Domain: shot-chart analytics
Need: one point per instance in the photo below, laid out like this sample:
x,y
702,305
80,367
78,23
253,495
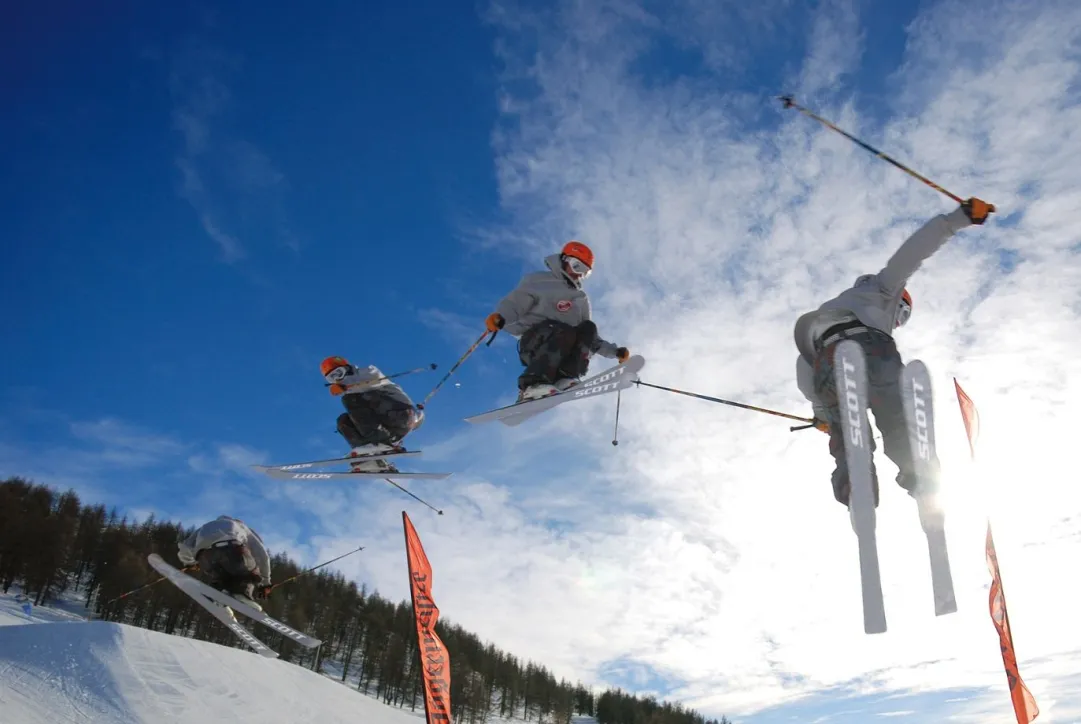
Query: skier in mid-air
x,y
549,312
378,413
868,313
231,556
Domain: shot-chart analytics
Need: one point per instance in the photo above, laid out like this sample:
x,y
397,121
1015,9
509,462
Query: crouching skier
x,y
549,312
232,557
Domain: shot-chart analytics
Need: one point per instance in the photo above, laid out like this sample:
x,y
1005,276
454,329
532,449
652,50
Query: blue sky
x,y
199,203
344,168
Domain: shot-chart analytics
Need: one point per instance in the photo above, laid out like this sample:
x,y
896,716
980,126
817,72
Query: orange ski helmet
x,y
578,250
332,363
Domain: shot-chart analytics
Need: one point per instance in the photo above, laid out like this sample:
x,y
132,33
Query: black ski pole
x,y
789,102
458,364
315,568
615,433
729,402
156,581
413,496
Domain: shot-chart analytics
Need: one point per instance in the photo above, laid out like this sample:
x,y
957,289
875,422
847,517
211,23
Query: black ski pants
x,y
377,417
229,566
884,367
552,350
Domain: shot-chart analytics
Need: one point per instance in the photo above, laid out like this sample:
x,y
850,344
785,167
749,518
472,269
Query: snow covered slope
x,y
107,673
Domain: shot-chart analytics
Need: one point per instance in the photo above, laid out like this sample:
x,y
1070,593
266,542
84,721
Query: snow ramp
x,y
108,673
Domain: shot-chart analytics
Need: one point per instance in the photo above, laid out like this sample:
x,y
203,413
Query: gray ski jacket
x,y
366,379
223,528
874,299
548,295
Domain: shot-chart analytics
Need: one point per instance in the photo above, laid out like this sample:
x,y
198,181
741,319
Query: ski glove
x,y
622,354
821,425
977,210
495,322
263,592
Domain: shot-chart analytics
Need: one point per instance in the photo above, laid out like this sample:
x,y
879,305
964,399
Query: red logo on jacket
x,y
563,305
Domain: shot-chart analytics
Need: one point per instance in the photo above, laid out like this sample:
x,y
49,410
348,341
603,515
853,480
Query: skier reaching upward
x,y
378,412
231,556
868,313
550,314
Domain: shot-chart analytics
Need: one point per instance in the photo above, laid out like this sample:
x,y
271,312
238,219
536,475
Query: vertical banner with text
x,y
434,660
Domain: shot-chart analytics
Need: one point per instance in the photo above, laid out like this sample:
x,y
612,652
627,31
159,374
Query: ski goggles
x,y
578,267
337,374
904,311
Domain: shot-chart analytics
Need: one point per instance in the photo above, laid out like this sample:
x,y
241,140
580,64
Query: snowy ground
x,y
107,673
63,611
56,667
64,669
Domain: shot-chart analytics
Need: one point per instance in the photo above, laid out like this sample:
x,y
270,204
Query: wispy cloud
x,y
112,433
460,329
220,172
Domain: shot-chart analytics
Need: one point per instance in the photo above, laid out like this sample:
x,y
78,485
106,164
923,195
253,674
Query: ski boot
x,y
565,383
247,600
373,466
536,392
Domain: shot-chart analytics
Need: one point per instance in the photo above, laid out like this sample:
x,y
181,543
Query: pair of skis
x,y
302,471
850,374
219,604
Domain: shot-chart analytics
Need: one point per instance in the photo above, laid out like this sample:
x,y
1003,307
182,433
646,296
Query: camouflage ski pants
x,y
230,566
552,350
377,418
884,367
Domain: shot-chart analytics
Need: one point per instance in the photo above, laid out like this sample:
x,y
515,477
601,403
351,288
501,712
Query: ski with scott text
x,y
611,380
220,604
850,376
920,419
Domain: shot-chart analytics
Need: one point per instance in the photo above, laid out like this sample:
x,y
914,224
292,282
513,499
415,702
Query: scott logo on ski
x,y
599,385
919,413
852,403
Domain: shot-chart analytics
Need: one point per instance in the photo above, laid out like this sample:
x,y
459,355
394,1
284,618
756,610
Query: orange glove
x,y
977,210
822,425
494,322
623,354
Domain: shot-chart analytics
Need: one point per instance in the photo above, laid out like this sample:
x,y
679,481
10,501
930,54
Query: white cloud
x,y
708,547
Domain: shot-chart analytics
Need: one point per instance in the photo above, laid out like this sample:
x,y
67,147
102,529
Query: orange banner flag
x,y
434,660
1024,704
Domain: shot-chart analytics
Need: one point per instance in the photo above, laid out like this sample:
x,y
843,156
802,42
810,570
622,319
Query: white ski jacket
x,y
874,299
223,528
545,295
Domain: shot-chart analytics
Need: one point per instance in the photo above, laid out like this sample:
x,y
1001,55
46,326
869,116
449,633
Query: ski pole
x,y
422,501
615,432
157,580
315,568
457,365
789,102
729,402
432,366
